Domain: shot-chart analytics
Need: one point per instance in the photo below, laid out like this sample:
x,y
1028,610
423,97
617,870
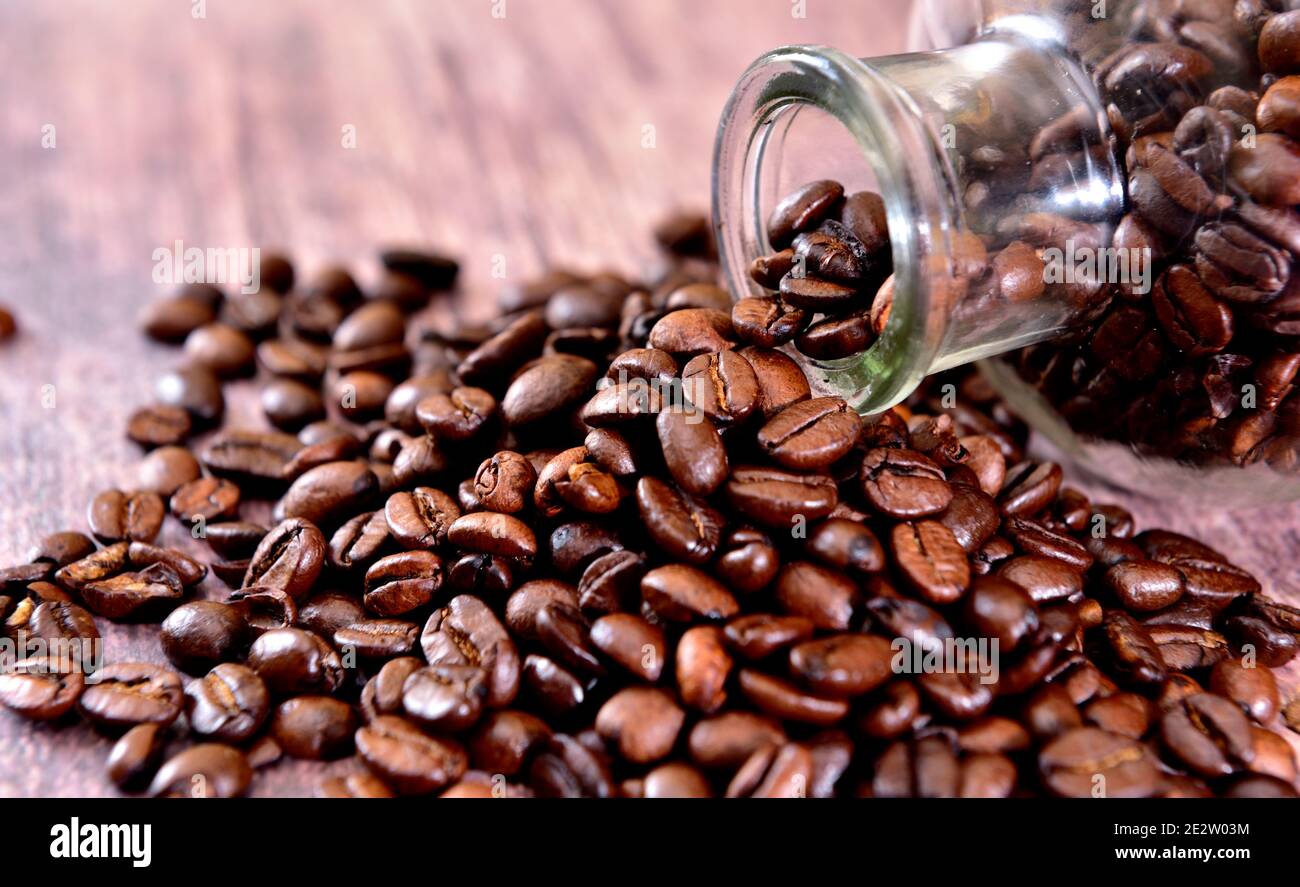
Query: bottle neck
x,y
1000,140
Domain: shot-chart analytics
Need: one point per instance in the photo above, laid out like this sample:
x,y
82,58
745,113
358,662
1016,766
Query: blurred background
x,y
538,131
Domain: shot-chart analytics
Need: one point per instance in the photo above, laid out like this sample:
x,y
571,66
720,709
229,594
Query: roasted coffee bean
x,y
816,593
811,434
408,759
1135,654
1208,734
166,469
158,426
749,560
256,457
612,582
632,642
1087,760
502,535
505,482
173,318
782,699
1029,488
502,353
774,498
289,557
641,722
327,613
773,772
314,727
691,331
291,660
1253,688
904,484
416,520
1145,585
447,698
400,583
545,387
93,567
802,210
201,634
842,665
264,609
1034,538
234,539
929,557
229,704
1000,609
693,450
221,348
377,638
780,381
61,549
813,294
759,635
836,337
328,494
205,499
361,540
466,632
135,756
680,593
767,321
481,572
56,620
128,693
681,525
125,593
564,633
207,770
41,688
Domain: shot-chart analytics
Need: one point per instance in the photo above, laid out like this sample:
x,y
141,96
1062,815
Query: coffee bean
x,y
158,425
289,557
253,457
930,558
547,386
314,727
234,538
904,484
62,549
505,482
811,434
1085,760
842,665
1208,734
466,632
330,493
409,760
642,722
693,450
41,688
361,540
128,693
486,532
1029,488
680,593
201,634
693,331
167,469
1252,688
802,210
775,498
683,526
418,519
125,593
207,770
632,642
173,318
447,698
817,593
291,660
196,390
229,704
206,499
1145,585
377,638
135,756
767,321
1135,654
400,583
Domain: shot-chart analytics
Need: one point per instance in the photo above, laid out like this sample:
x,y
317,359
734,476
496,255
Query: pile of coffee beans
x,y
611,544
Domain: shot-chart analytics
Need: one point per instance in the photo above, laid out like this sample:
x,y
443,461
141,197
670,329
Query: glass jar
x,y
1062,207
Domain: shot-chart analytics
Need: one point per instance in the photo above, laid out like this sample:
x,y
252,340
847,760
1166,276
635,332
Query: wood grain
x,y
518,139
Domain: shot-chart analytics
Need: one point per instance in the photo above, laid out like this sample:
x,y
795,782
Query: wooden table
x,y
521,137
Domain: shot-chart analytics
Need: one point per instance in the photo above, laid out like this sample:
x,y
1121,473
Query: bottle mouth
x,y
911,175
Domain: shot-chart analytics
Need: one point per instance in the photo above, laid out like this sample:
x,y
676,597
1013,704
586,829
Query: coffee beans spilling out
x,y
612,544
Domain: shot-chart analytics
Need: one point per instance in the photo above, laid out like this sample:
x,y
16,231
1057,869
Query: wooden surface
x,y
521,137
